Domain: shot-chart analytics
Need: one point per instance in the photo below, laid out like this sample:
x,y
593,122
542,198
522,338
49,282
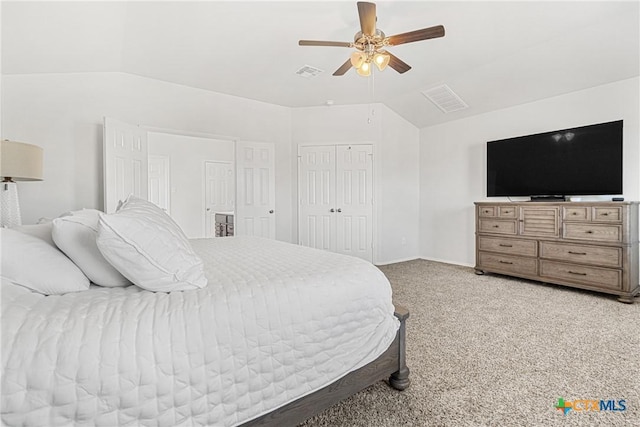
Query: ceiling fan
x,y
370,42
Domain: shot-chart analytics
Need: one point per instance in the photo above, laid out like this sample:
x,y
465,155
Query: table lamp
x,y
18,162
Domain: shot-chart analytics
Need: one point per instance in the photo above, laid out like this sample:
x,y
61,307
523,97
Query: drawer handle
x,y
577,253
605,214
505,246
496,226
589,232
577,274
574,213
505,262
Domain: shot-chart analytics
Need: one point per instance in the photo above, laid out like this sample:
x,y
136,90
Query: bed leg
x,y
400,379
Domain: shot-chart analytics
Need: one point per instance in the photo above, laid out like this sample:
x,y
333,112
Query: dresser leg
x,y
479,272
627,299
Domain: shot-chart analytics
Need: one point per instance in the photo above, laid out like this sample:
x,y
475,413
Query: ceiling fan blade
x,y
414,36
367,13
323,43
343,68
398,64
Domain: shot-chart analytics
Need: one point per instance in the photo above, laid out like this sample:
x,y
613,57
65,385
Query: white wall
x,y
63,114
453,159
187,156
399,206
395,167
427,180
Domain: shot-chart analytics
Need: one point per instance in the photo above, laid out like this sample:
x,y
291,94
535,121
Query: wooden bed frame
x,y
390,365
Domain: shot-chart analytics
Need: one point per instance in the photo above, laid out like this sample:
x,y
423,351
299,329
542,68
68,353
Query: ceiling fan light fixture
x,y
357,59
364,70
381,59
369,42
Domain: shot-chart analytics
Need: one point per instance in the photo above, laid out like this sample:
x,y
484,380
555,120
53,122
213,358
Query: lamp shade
x,y
381,59
20,161
357,59
364,70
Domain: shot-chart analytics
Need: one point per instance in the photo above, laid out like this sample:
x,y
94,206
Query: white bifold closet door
x,y
335,189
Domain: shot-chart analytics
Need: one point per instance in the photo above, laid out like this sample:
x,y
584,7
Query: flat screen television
x,y
580,161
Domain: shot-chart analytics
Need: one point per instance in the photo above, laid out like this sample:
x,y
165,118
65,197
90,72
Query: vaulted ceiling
x,y
494,54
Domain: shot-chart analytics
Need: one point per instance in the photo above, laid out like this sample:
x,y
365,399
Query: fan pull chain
x,y
372,91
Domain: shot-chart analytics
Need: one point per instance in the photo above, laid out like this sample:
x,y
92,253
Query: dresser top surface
x,y
567,204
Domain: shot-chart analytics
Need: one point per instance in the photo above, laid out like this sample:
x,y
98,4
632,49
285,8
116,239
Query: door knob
x,y
271,211
339,210
332,210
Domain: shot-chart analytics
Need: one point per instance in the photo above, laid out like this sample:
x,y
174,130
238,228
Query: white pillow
x,y
149,248
31,262
76,235
41,231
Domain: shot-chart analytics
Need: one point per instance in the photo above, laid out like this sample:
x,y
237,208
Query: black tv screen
x,y
585,160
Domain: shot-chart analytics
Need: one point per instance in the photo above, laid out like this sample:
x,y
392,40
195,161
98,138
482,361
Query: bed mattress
x,y
275,323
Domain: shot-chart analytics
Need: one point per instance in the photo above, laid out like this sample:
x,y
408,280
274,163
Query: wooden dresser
x,y
589,245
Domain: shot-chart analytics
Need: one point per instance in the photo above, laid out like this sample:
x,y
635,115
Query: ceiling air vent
x,y
445,99
308,71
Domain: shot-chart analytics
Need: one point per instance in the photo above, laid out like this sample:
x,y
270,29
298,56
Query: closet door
x,y
354,200
335,198
317,197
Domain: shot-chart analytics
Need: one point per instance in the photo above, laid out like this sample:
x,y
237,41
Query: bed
x,y
279,333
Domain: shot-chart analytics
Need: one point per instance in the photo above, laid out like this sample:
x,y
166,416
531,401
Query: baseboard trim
x,y
446,261
397,261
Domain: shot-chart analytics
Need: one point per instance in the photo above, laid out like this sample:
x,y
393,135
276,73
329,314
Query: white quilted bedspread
x,y
275,323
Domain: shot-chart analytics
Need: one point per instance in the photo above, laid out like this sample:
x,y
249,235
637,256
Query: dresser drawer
x,y
580,274
593,232
596,255
508,246
613,214
497,226
487,211
508,263
576,213
507,212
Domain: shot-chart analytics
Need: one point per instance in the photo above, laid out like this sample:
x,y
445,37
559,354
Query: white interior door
x,y
219,192
317,197
159,181
354,200
255,176
125,162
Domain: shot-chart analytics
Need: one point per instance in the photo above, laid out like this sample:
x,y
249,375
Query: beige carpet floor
x,y
497,351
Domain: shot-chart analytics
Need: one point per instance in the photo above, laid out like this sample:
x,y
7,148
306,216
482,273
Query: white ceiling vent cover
x,y
445,99
308,71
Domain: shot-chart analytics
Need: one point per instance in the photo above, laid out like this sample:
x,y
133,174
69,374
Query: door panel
x,y
255,211
125,162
